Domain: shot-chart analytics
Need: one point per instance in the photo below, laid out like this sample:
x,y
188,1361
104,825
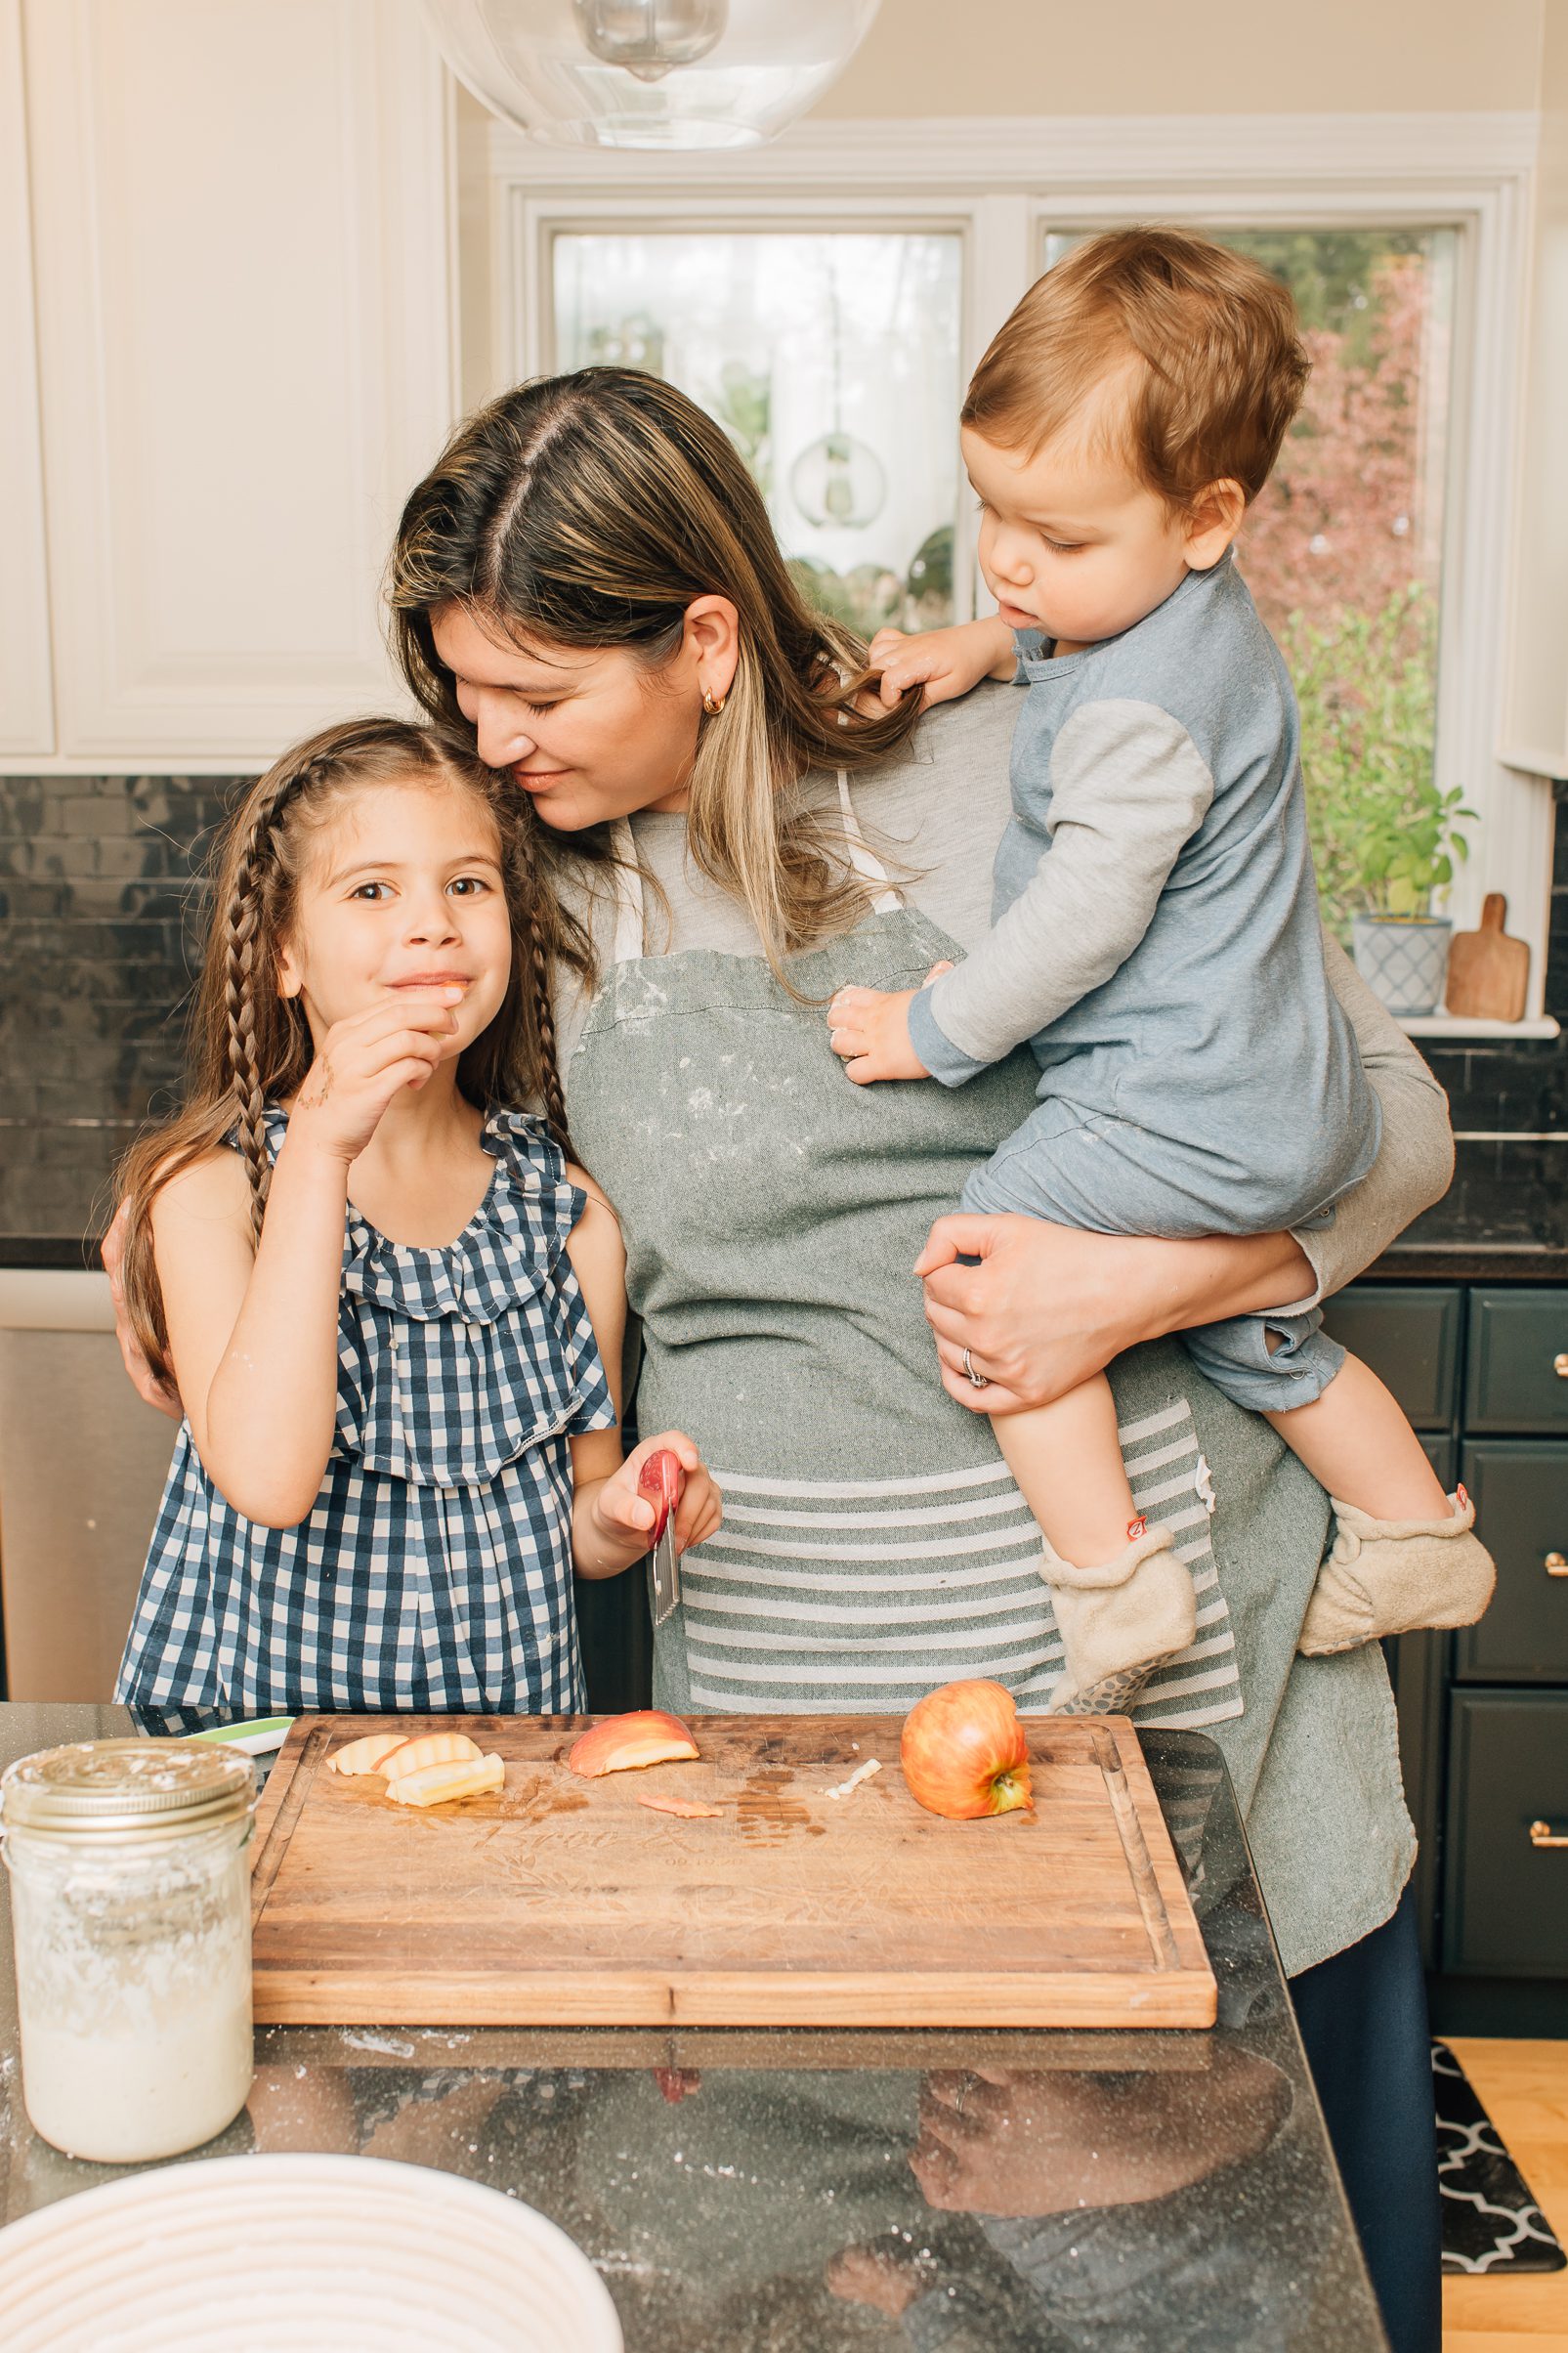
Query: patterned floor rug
x,y
1489,2220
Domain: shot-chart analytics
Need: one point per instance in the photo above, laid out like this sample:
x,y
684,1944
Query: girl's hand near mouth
x,y
365,1061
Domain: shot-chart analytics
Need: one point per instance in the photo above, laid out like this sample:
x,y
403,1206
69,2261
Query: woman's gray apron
x,y
874,1542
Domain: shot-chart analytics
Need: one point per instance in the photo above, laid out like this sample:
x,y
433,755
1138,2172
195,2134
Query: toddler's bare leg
x,y
1123,1601
1068,1463
1404,1554
1356,1442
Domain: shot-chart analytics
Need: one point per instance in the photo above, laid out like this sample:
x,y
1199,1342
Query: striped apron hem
x,y
860,1594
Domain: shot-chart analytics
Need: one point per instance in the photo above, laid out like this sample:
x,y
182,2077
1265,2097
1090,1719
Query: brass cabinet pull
x,y
1559,1365
1542,1834
1556,1566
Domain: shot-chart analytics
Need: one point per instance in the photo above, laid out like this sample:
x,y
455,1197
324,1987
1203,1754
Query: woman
x,y
589,581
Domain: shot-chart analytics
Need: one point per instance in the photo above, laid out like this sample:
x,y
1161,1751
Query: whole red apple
x,y
963,1752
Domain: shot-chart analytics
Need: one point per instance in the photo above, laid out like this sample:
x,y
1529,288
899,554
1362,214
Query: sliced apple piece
x,y
626,1744
430,1748
367,1754
687,1808
457,1777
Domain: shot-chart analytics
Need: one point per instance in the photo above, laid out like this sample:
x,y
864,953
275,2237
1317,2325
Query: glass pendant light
x,y
838,482
650,37
649,73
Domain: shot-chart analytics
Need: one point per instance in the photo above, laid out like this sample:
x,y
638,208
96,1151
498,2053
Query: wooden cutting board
x,y
1488,973
561,1900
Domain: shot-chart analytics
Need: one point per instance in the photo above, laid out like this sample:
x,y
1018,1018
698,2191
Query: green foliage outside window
x,y
1343,552
1385,834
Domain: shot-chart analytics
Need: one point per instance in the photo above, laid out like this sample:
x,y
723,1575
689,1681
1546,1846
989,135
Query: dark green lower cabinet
x,y
1520,1490
1482,1372
1442,1452
1505,1884
1516,1374
1409,1333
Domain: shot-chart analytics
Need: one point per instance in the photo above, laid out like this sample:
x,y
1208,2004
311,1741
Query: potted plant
x,y
1405,855
1385,835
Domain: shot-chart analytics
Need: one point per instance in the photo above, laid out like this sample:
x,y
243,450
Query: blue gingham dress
x,y
434,1571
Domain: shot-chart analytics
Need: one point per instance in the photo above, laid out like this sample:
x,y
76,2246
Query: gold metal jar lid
x,y
127,1789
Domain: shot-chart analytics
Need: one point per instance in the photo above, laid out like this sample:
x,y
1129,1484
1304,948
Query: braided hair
x,y
252,1045
246,938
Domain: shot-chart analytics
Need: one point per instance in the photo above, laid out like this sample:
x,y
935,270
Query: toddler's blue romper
x,y
435,1570
1157,939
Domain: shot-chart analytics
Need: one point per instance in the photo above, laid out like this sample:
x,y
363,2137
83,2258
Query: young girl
x,y
379,1284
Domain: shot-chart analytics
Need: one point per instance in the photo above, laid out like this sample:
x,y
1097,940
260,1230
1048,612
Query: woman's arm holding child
x,y
1048,1306
1415,1163
610,1520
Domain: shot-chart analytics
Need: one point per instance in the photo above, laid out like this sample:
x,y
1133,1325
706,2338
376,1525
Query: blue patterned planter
x,y
1403,958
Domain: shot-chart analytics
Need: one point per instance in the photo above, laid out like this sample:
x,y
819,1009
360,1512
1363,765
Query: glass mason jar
x,y
130,1891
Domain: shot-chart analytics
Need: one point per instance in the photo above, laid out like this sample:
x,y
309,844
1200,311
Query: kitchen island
x,y
791,2191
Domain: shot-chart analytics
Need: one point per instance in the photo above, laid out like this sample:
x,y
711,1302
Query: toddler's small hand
x,y
905,661
887,653
946,662
868,1029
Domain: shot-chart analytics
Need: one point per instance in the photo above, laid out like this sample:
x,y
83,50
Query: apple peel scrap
x,y
628,1744
457,1777
685,1807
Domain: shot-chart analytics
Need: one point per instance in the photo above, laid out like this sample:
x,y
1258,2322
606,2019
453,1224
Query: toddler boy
x,y
1157,937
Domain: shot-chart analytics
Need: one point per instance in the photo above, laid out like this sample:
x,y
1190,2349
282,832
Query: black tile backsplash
x,y
100,930
101,924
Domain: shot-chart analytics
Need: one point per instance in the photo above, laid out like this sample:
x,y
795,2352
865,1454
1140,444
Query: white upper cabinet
x,y
240,224
27,700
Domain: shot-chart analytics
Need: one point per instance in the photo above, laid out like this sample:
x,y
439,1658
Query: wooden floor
x,y
1524,2088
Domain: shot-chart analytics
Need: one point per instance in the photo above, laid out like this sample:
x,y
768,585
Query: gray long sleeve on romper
x,y
1157,942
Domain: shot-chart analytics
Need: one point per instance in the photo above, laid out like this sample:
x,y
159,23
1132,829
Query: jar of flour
x,y
131,1904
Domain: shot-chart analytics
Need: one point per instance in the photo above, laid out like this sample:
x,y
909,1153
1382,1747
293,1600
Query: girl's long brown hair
x,y
249,1045
589,510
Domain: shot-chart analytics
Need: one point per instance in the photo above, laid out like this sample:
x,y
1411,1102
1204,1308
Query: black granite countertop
x,y
1415,1257
64,1251
1415,1260
846,2192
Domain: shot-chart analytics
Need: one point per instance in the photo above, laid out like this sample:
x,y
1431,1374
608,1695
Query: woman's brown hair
x,y
589,510
250,1044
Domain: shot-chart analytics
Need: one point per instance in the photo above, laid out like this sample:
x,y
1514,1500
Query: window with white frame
x,y
828,300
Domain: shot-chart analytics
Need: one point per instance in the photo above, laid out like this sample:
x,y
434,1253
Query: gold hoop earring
x,y
714,703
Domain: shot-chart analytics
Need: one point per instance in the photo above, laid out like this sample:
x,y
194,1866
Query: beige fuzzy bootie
x,y
1391,1577
1120,1620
